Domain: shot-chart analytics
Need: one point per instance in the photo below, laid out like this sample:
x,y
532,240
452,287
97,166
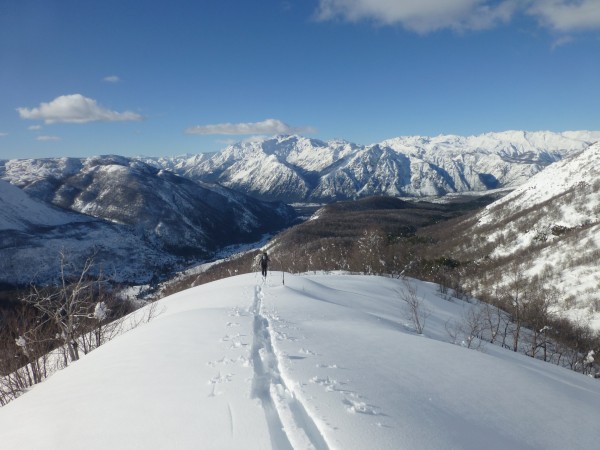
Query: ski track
x,y
231,423
290,425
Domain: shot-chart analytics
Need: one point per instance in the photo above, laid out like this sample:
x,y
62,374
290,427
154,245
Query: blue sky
x,y
133,77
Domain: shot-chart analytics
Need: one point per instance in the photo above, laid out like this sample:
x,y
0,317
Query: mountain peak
x,y
294,168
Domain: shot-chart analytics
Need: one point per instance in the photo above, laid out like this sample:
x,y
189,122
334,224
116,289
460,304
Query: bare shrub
x,y
470,330
416,312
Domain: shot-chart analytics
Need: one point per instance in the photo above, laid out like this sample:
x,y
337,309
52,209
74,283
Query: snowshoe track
x,y
290,425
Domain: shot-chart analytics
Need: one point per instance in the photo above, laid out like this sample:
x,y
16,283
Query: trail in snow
x,y
290,425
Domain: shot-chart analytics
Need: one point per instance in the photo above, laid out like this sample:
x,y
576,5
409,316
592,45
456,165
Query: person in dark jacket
x,y
264,263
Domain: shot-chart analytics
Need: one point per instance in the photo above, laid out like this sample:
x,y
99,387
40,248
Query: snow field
x,y
324,362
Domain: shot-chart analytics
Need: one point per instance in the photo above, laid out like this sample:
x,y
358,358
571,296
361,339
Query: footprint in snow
x,y
328,383
242,360
236,312
235,340
216,380
359,407
327,366
354,404
304,351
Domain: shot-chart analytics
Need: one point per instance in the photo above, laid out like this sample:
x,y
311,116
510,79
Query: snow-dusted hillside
x,y
117,203
33,233
322,362
552,225
569,189
294,168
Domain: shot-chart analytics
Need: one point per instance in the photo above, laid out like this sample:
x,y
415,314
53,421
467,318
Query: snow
x,y
557,179
301,169
326,361
19,211
565,195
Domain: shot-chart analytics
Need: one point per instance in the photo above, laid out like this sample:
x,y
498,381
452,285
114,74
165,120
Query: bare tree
x,y
68,305
417,313
538,315
469,331
514,298
494,319
370,249
23,356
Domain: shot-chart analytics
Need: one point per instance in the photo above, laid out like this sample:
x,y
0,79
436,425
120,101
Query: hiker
x,y
264,263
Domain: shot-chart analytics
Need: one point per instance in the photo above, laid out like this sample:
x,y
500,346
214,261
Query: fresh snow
x,y
19,211
322,362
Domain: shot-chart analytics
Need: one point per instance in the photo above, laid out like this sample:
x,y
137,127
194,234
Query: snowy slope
x,y
19,211
578,173
295,168
551,224
322,362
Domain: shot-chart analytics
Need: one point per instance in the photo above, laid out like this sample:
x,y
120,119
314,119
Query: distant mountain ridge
x,y
139,221
144,216
299,169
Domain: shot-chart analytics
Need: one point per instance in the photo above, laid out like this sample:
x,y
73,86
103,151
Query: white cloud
x,y
269,126
422,16
567,15
563,40
111,79
47,138
3,134
226,141
75,108
426,16
34,127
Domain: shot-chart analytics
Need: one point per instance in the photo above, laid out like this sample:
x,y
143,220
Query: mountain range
x,y
299,169
145,217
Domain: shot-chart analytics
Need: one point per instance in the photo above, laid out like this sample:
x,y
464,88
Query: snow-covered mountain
x,y
551,225
33,233
295,169
322,362
20,212
150,209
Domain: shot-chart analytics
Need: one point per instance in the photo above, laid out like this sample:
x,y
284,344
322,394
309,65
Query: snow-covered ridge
x,y
576,172
322,362
296,168
551,226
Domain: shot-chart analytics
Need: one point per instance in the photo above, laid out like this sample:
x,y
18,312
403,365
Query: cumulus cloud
x,y
423,16
111,79
75,108
269,126
426,16
567,15
47,138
